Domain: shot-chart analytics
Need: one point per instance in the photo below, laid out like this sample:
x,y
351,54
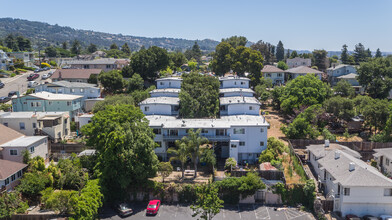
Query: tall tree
x,y
279,51
181,153
267,50
178,59
112,81
24,44
65,45
125,148
165,169
114,46
125,49
378,53
294,54
344,57
208,156
247,60
149,62
51,51
360,54
369,53
236,41
222,61
11,42
344,89
320,59
136,82
76,47
196,52
92,48
208,203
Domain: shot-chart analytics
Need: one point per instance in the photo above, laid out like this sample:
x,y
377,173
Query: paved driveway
x,y
245,212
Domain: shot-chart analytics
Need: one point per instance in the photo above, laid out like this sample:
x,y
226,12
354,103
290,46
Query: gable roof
x,y
383,152
23,141
271,69
348,76
319,150
303,70
7,134
75,73
8,168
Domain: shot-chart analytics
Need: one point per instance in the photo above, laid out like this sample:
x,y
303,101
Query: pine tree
x,y
369,53
125,48
378,53
65,45
360,54
344,56
279,51
114,46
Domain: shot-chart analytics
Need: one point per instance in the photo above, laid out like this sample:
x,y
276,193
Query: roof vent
x,y
351,166
337,155
326,143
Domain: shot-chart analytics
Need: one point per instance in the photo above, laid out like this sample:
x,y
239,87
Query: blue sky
x,y
300,24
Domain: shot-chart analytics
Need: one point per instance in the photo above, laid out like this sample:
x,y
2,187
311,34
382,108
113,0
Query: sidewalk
x,y
10,79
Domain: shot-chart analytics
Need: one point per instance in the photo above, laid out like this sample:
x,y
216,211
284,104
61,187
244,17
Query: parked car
x,y
46,68
153,207
31,84
38,70
2,85
385,217
45,76
352,217
123,209
50,73
12,93
4,99
32,76
369,217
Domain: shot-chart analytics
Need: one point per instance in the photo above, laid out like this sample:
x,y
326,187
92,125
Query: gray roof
x,y
51,96
348,76
233,78
223,122
87,152
168,90
170,79
319,150
338,66
238,100
23,141
362,175
161,100
68,84
303,70
383,152
246,90
96,61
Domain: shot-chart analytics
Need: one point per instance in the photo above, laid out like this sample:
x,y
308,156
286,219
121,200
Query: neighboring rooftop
x,y
29,114
169,90
383,152
7,134
74,73
233,78
303,70
319,150
338,66
67,84
23,141
88,152
8,168
348,76
238,100
162,100
170,78
96,61
52,96
227,90
271,69
223,122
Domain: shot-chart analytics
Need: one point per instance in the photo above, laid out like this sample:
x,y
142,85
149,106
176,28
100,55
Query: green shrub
x,y
13,74
73,126
53,63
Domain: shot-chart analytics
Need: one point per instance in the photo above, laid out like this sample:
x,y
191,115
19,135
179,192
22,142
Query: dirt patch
x,y
276,121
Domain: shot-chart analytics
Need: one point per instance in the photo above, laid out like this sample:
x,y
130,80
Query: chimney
x,y
326,143
351,166
337,155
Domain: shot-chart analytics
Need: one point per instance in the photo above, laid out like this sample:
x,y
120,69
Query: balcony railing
x,y
209,137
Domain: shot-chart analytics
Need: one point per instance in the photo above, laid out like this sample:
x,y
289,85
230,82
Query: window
x,y
86,66
242,143
157,131
91,91
388,192
387,161
38,104
34,125
32,149
69,103
22,126
7,181
173,132
81,90
268,74
146,109
32,104
242,83
72,90
220,132
13,177
346,191
261,143
5,124
279,75
204,131
161,83
24,103
261,130
50,102
66,121
169,83
250,107
233,146
158,144
19,174
239,130
108,66
13,152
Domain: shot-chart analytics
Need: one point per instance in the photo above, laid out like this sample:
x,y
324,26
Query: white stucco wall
x,y
235,83
40,149
243,109
156,109
169,83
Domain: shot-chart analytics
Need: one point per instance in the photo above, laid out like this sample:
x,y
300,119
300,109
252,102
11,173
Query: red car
x,y
153,207
32,76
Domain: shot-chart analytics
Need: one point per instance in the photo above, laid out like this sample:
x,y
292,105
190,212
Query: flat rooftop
x,y
239,90
170,79
52,96
161,100
238,100
23,141
168,90
29,114
224,78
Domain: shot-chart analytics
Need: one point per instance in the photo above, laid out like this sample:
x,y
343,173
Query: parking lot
x,y
228,212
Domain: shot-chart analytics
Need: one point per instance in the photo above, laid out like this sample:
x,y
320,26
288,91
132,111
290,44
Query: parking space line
x,y
269,217
239,211
223,213
286,214
175,214
254,210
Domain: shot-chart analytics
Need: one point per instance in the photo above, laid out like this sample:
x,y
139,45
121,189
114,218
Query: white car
x,y
31,84
45,76
385,217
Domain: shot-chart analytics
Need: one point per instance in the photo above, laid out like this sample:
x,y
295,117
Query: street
x,y
246,212
19,82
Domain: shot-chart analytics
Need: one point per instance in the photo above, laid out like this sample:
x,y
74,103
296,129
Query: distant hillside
x,y
46,34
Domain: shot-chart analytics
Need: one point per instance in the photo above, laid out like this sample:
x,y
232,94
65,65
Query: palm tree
x,y
193,142
181,154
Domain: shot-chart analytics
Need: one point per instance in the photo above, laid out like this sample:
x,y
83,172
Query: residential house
x,y
13,144
335,72
160,106
10,174
238,105
298,61
383,157
234,82
27,57
104,64
5,61
74,75
87,90
54,124
121,63
273,73
302,71
48,102
84,119
231,92
89,104
169,92
169,82
354,186
352,79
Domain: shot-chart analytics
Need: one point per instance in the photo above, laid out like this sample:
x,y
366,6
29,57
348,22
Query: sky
x,y
299,24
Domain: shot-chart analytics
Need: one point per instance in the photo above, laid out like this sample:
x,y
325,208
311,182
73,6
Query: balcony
x,y
209,137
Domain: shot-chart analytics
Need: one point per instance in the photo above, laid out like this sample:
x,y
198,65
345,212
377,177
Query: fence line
x,y
358,146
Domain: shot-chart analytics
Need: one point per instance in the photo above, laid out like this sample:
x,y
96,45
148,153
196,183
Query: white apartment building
x,y
354,186
54,124
240,132
383,157
168,92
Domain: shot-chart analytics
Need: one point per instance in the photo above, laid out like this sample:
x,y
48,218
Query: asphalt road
x,y
243,212
19,83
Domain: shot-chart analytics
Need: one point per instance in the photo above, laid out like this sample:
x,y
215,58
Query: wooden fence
x,y
67,148
266,174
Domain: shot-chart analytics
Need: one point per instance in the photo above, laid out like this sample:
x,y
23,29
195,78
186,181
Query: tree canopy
x,y
149,62
112,81
279,51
